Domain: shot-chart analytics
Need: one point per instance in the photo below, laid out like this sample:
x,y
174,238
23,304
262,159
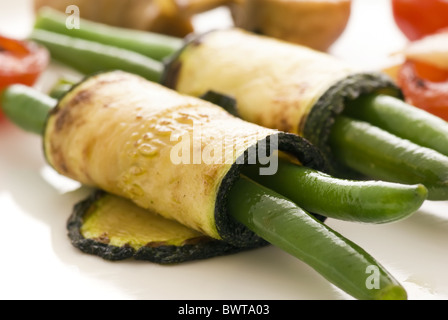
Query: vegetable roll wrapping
x,y
276,84
139,140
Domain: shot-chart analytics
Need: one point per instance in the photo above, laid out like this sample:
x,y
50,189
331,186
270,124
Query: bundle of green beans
x,y
378,136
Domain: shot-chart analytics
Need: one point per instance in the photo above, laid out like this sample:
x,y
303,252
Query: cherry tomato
x,y
21,62
425,87
419,18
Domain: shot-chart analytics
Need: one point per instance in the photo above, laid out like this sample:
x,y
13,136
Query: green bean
x,y
285,225
380,155
61,88
149,44
401,119
356,201
91,57
27,107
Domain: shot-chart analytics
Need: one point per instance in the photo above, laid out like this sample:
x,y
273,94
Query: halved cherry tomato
x,y
21,62
425,87
418,18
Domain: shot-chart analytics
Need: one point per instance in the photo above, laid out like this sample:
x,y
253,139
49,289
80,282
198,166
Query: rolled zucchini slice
x,y
169,153
276,84
115,228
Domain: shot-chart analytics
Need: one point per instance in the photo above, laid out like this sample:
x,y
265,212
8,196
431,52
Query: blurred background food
x,y
21,62
422,72
314,23
192,7
160,16
418,18
423,75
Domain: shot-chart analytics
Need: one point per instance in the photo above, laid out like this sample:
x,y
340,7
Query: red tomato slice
x,y
425,87
419,18
21,62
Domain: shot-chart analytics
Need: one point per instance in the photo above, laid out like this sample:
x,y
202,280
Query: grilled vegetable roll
x,y
283,86
172,154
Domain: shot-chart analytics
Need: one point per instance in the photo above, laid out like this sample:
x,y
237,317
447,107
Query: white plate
x,y
37,260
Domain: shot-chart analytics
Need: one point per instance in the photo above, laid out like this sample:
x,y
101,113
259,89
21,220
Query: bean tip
x,y
421,191
393,292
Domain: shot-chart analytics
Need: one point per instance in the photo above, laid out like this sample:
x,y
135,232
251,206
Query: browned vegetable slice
x,y
114,228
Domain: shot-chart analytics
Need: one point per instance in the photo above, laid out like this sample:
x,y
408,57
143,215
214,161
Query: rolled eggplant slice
x,y
96,227
282,86
169,153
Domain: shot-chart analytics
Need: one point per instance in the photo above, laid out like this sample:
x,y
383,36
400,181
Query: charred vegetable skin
x,y
188,244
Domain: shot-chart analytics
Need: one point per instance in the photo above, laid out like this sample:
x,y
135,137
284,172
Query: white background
x,y
37,260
